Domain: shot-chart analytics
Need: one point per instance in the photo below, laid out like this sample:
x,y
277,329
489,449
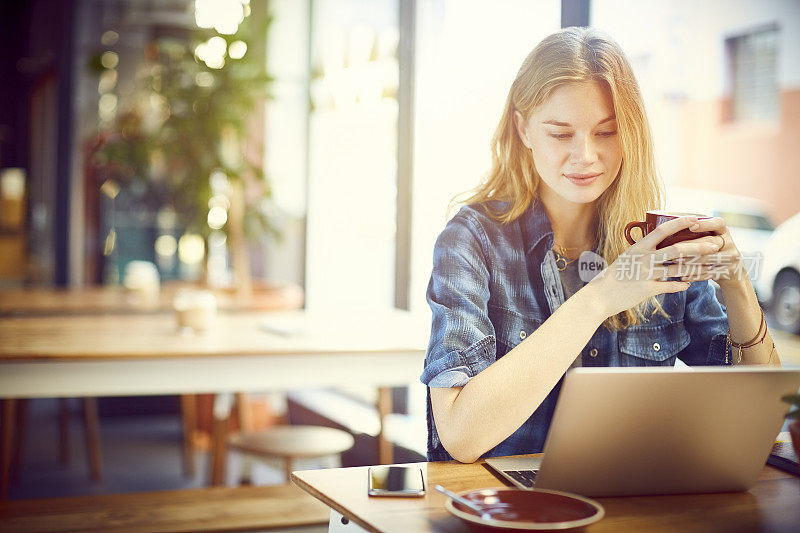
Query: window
x,y
753,81
352,181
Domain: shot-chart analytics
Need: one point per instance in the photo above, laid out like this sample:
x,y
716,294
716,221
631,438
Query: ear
x,y
519,122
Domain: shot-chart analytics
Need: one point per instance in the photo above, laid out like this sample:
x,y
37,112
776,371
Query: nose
x,y
584,152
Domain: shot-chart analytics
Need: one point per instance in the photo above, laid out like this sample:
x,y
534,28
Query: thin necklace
x,y
561,261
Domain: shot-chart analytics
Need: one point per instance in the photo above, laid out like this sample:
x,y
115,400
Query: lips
x,y
583,179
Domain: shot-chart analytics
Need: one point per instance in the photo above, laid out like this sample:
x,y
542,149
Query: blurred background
x,y
344,126
315,145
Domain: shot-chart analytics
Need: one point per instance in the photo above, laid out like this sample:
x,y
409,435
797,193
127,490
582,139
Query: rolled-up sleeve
x,y
706,320
462,342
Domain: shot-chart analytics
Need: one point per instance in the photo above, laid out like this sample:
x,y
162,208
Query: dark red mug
x,y
656,218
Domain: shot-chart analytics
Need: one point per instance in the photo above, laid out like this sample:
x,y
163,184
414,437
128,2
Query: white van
x,y
779,282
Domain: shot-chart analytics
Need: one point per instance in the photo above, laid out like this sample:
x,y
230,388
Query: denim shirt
x,y
492,285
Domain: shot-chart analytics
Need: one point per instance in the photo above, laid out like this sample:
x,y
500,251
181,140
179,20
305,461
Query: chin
x,y
582,197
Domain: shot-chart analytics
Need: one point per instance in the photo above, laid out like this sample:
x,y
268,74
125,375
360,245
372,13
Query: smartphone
x,y
396,481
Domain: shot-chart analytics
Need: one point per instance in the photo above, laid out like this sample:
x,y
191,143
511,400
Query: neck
x,y
574,225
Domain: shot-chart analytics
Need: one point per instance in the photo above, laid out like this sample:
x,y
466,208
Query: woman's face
x,y
574,140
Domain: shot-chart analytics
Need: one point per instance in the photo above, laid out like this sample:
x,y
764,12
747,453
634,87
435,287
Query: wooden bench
x,y
210,509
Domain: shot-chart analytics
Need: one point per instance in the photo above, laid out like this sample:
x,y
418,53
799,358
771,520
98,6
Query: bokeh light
x,y
204,79
108,80
237,49
222,15
219,182
107,106
212,52
219,200
191,249
217,217
109,59
166,245
110,37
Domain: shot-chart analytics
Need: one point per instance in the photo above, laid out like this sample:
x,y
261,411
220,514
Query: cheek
x,y
549,156
615,150
613,157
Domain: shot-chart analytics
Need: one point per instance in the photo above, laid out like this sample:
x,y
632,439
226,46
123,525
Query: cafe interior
x,y
217,223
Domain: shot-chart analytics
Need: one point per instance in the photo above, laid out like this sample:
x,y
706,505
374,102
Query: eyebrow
x,y
566,124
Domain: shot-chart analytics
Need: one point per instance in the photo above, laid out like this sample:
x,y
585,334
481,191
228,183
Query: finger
x,y
666,287
713,239
666,229
690,269
679,271
719,258
715,224
688,249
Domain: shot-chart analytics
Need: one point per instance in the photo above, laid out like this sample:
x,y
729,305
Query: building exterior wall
x,y
758,160
678,52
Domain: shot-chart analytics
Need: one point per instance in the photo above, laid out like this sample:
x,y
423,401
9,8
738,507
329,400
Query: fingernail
x,y
694,227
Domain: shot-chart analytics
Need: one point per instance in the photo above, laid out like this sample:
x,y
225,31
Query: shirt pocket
x,y
511,328
649,345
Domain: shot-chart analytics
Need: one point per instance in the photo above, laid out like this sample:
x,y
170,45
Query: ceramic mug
x,y
656,218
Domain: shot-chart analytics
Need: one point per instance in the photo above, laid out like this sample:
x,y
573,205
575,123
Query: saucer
x,y
533,510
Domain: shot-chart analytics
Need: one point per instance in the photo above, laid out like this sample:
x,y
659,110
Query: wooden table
x,y
103,300
249,508
773,504
145,354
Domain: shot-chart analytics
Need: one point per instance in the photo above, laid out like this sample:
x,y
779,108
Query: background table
x,y
103,300
119,355
107,300
773,504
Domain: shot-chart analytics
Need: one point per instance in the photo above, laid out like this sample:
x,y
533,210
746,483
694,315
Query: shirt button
x,y
522,335
593,352
656,346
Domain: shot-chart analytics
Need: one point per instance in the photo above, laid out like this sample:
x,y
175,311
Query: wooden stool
x,y
292,442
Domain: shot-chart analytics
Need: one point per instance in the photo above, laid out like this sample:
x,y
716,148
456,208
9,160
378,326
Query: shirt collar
x,y
536,227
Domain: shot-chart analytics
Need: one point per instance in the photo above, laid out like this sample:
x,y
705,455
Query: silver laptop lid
x,y
659,430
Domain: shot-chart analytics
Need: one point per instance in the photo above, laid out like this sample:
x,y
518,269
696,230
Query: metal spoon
x,y
465,502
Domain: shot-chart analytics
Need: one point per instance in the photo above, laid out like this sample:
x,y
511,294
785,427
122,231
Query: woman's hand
x,y
723,266
642,271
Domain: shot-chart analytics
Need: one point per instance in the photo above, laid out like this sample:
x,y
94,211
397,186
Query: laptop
x,y
656,430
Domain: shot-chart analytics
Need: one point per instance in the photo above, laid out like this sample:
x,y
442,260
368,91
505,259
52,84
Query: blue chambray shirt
x,y
492,285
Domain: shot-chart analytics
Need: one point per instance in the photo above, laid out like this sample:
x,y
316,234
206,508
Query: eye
x,y
607,133
560,135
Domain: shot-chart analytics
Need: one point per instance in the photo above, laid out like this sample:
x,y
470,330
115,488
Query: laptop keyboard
x,y
525,477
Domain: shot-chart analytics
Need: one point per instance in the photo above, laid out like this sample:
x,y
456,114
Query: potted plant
x,y
794,426
182,141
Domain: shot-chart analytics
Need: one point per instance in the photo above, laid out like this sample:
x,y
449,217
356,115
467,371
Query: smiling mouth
x,y
582,180
582,176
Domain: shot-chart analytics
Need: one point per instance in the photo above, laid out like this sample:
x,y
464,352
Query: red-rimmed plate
x,y
536,510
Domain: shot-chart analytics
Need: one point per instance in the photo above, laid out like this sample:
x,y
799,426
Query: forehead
x,y
577,103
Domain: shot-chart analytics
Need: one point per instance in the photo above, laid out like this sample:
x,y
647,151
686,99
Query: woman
x,y
572,163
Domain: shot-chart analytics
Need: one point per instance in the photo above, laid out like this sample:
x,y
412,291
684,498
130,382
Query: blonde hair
x,y
576,55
